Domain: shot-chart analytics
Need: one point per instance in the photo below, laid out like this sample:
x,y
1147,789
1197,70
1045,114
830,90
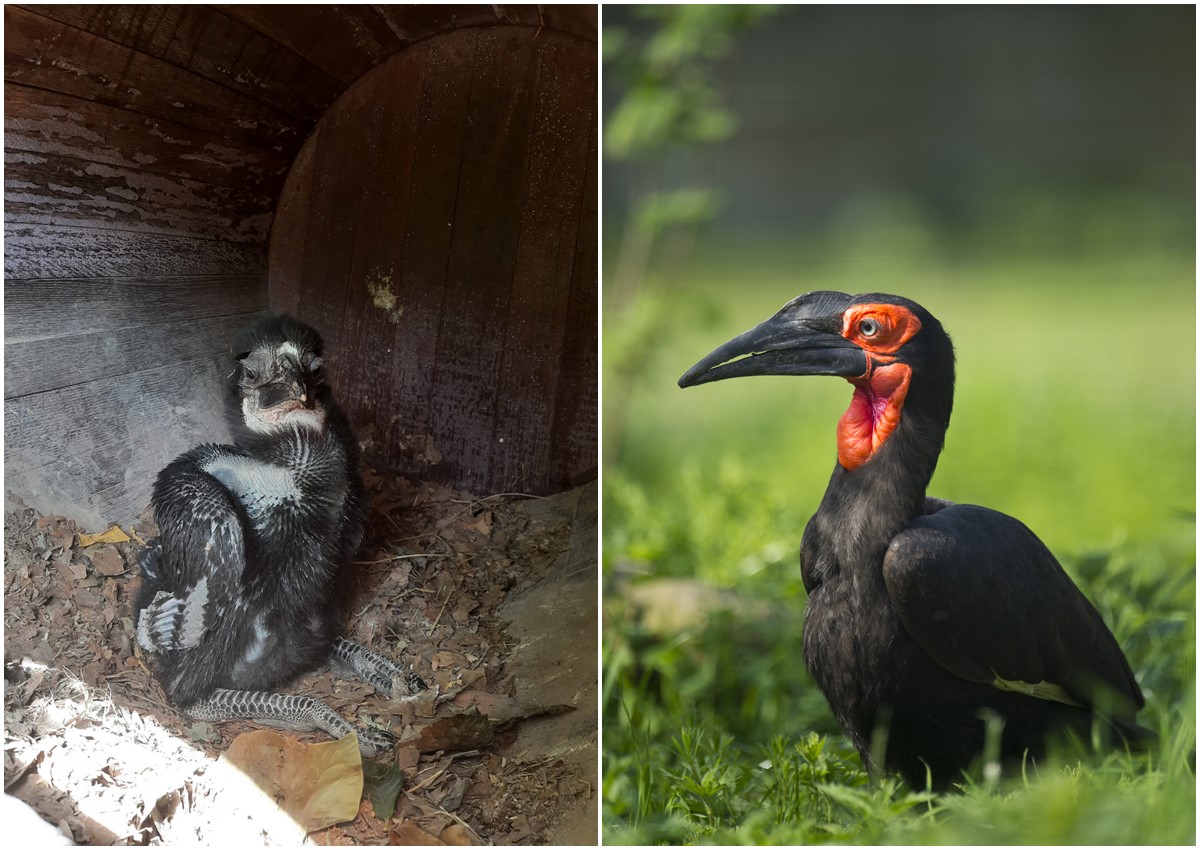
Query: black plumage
x,y
925,617
245,587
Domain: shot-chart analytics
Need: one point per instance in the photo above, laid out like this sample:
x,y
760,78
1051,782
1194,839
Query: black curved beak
x,y
788,343
270,395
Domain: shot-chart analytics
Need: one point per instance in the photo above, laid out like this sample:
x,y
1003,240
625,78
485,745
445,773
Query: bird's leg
x,y
286,711
355,660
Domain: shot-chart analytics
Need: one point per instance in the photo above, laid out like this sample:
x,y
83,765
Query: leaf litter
x,y
92,745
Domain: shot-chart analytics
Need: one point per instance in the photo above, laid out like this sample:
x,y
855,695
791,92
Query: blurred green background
x,y
1027,174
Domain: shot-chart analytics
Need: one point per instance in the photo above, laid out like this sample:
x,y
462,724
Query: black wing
x,y
985,598
194,580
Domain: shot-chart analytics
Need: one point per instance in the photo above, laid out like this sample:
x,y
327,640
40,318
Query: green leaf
x,y
382,784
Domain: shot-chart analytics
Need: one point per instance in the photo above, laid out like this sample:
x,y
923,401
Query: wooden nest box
x,y
416,182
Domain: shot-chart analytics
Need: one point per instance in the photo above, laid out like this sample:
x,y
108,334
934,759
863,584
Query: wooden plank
x,y
479,279
330,231
409,442
37,251
344,41
92,451
46,122
45,365
41,309
210,44
521,14
376,324
575,19
560,141
47,54
56,190
576,449
411,23
289,228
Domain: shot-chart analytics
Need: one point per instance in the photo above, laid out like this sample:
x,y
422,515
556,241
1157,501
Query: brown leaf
x,y
468,731
408,834
318,785
482,524
108,562
458,835
407,757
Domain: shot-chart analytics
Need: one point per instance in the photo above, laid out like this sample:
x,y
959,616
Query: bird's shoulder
x,y
951,536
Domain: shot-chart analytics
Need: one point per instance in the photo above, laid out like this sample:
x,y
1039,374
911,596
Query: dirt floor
x,y
492,599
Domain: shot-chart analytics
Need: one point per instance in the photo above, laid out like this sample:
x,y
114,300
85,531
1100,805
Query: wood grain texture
x,y
477,323
58,190
344,41
413,23
47,54
210,44
576,417
53,363
44,122
40,309
580,20
37,251
537,374
458,236
92,451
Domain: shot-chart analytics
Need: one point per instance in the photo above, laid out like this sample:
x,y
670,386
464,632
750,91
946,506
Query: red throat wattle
x,y
874,413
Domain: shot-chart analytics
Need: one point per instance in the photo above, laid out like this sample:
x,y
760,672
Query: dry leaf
x,y
408,834
458,835
107,562
407,757
113,535
469,731
482,524
318,785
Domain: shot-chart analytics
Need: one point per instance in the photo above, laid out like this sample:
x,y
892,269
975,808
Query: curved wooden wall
x,y
439,229
145,150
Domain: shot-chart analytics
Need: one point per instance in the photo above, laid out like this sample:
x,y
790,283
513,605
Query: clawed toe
x,y
373,742
406,687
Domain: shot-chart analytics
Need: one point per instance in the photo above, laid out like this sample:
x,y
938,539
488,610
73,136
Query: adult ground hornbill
x,y
924,617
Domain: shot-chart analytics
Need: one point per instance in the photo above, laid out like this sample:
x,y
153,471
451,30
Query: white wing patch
x,y
260,487
171,622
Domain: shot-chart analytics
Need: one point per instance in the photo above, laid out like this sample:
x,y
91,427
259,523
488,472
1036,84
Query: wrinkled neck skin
x,y
866,506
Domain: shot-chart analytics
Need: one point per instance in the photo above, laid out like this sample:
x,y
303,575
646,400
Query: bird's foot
x,y
373,741
401,684
289,711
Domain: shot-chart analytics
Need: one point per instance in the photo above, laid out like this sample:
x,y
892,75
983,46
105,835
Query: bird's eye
x,y
250,372
311,362
868,327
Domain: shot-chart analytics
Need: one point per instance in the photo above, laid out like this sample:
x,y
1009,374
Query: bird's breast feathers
x,y
259,487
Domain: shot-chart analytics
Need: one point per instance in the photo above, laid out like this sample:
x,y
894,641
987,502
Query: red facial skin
x,y
880,330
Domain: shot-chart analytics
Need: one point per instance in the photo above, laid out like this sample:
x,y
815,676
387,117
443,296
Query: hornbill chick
x,y
924,617
244,588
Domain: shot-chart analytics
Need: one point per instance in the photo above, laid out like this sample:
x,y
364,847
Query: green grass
x,y
1075,412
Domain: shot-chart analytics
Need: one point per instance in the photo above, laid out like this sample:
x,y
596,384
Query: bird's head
x,y
891,349
277,381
